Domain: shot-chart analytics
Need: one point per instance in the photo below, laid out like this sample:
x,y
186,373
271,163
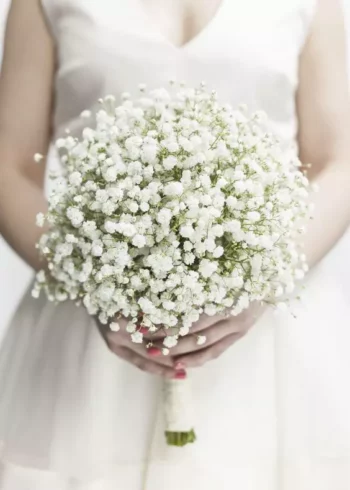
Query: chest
x,y
181,21
248,50
250,33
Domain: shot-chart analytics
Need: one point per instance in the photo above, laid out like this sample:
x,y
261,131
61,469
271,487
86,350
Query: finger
x,y
160,334
202,356
203,323
120,339
143,363
213,334
206,321
155,355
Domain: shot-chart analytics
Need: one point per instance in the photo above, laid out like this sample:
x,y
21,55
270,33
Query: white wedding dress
x,y
273,413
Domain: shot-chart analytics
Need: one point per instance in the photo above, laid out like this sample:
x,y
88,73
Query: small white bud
x,y
40,220
114,326
38,157
85,114
201,339
137,337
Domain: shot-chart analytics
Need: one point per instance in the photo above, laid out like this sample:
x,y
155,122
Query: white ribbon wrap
x,y
178,406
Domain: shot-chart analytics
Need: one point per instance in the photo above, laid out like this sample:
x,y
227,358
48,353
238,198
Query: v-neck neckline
x,y
151,25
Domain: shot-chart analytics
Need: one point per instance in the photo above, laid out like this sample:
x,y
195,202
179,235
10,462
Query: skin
x,y
25,121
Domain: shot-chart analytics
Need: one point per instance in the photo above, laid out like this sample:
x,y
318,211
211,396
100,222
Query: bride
x,y
273,408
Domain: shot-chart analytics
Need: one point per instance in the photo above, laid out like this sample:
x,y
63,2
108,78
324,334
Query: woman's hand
x,y
120,343
220,333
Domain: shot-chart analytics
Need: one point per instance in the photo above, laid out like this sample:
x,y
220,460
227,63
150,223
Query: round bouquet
x,y
173,206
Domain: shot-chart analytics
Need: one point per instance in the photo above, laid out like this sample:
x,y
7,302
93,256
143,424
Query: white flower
x,y
76,216
232,226
189,258
97,250
168,305
134,207
210,244
170,162
218,252
35,293
240,186
101,195
173,189
89,227
281,306
170,341
217,230
41,277
146,306
184,331
144,206
110,174
40,220
114,326
131,327
201,339
165,351
75,178
210,309
38,157
231,202
85,114
60,143
188,246
207,268
139,241
186,231
164,216
171,145
108,208
253,216
110,226
149,153
137,337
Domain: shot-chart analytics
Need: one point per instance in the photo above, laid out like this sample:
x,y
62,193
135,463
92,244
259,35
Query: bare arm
x,y
324,136
25,119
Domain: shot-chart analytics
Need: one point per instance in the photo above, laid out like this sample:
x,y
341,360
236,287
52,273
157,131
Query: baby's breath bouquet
x,y
171,207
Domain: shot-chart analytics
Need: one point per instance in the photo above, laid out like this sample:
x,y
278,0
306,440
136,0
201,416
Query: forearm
x,y
21,199
332,211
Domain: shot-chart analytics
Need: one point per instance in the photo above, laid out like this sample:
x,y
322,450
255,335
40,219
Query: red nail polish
x,y
144,330
180,374
179,366
154,351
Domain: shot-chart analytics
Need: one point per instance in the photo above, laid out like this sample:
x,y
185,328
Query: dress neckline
x,y
196,37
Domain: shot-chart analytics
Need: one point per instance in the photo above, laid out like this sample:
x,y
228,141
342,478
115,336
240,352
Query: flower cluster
x,y
173,206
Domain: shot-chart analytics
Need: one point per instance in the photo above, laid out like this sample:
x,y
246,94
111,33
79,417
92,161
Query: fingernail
x,y
179,366
180,374
154,351
144,330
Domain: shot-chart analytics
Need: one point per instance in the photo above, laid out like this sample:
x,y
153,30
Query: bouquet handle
x,y
178,412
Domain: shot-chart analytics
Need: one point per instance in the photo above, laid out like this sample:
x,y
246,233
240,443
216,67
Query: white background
x,y
14,275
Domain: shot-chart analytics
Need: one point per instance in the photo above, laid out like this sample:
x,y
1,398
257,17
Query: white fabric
x,y
273,412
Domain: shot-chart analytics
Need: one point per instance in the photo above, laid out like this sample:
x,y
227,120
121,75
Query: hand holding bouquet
x,y
173,206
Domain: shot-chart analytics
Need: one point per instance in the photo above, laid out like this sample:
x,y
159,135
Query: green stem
x,y
180,439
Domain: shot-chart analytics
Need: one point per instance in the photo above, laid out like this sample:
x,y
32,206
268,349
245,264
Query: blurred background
x,y
14,274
